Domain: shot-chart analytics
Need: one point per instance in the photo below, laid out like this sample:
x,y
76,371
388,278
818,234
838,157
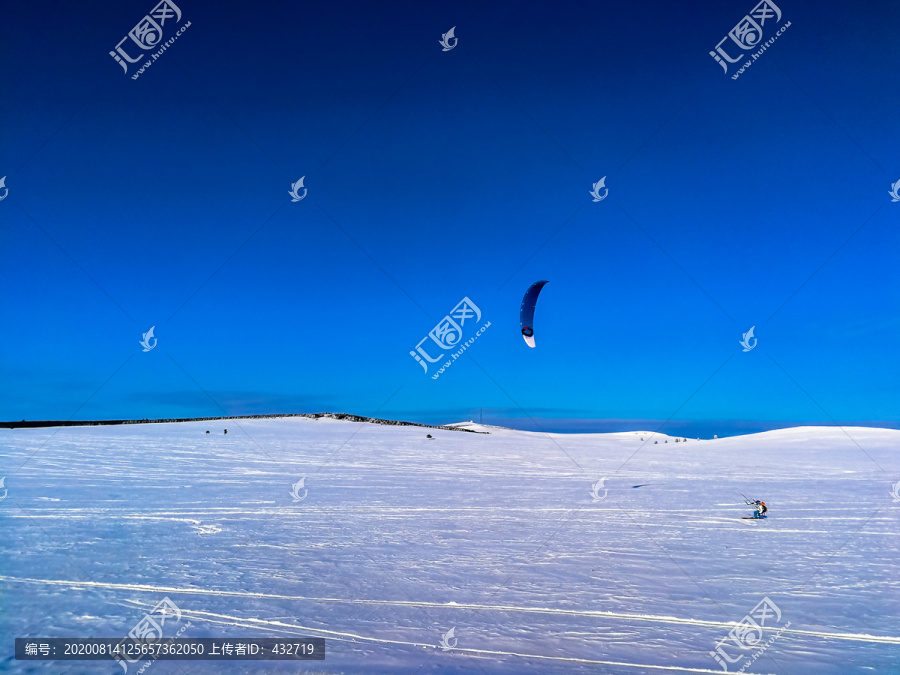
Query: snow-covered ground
x,y
506,537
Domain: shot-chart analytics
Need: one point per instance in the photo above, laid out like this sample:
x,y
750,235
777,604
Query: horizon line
x,y
755,426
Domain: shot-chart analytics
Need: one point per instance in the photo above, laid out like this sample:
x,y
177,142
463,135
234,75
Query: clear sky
x,y
435,175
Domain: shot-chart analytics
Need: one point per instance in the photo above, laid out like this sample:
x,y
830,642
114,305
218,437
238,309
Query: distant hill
x,y
37,424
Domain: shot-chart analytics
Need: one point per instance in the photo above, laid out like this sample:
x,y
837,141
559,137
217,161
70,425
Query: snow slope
x,y
506,537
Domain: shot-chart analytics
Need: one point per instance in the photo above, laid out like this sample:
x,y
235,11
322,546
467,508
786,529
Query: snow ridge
x,y
348,417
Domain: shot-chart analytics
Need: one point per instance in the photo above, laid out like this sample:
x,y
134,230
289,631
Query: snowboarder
x,y
761,509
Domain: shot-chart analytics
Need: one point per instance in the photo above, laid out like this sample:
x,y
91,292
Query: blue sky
x,y
431,175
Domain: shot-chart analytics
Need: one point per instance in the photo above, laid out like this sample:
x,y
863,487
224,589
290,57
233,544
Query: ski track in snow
x,y
401,538
143,588
280,627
